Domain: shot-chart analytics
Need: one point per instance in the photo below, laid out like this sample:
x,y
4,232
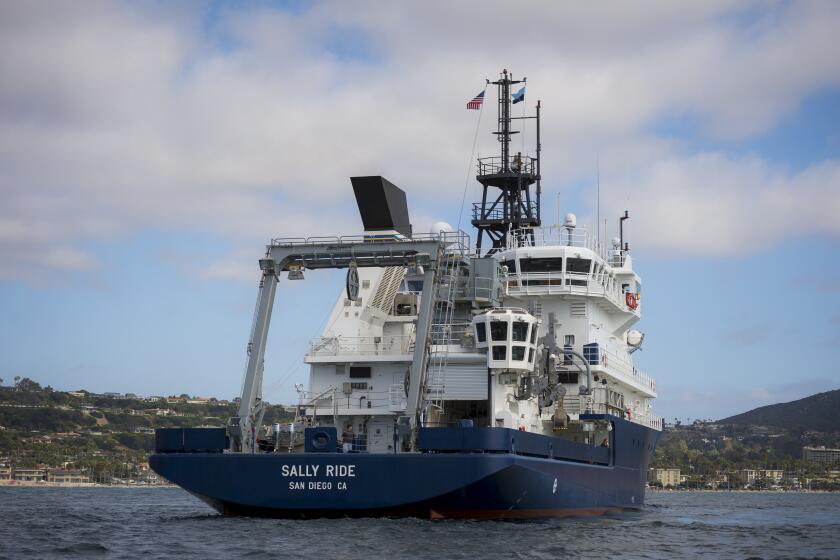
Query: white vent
x,y
578,309
389,283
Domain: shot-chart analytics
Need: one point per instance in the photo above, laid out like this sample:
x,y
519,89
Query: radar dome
x,y
616,243
571,220
439,227
635,338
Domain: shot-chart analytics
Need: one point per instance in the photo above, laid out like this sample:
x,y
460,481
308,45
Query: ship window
x,y
520,331
481,332
365,284
531,355
517,353
498,330
359,372
567,377
569,340
511,266
541,265
499,352
415,285
578,266
534,334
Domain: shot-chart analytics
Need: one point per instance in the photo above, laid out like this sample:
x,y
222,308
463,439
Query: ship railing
x,y
450,333
479,288
497,213
515,164
559,282
455,240
359,399
622,367
553,236
361,345
647,419
599,403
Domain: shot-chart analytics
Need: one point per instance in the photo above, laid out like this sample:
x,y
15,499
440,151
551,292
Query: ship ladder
x,y
442,328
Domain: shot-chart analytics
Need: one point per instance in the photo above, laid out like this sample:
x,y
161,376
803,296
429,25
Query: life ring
x,y
630,298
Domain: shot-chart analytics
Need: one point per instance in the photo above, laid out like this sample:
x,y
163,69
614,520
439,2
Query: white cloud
x,y
115,118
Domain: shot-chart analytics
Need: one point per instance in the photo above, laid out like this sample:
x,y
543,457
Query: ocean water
x,y
169,523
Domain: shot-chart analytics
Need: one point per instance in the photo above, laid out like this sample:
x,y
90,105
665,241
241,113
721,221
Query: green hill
x,y
815,413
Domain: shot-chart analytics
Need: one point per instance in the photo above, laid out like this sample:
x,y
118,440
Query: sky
x,y
149,151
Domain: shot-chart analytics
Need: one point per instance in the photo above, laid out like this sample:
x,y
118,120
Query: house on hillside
x,y
821,455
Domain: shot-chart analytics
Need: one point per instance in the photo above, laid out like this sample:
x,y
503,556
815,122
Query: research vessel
x,y
453,380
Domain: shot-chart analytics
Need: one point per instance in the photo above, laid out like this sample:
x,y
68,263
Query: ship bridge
x,y
559,260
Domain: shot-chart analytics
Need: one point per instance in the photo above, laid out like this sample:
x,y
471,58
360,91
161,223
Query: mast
x,y
513,205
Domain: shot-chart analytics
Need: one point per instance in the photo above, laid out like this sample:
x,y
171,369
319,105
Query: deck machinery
x,y
451,380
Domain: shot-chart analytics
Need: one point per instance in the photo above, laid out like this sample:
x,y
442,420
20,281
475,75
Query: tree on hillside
x,y
27,384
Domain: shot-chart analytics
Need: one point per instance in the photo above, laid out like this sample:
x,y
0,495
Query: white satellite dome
x,y
441,227
571,220
635,338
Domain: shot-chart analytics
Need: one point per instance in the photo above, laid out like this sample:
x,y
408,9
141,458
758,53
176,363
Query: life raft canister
x,y
630,298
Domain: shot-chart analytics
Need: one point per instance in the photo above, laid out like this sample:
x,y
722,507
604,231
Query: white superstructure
x,y
551,281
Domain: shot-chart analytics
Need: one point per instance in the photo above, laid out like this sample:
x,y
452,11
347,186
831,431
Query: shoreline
x,y
738,491
45,484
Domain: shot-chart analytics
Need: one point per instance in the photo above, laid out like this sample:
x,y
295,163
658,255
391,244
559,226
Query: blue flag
x,y
519,95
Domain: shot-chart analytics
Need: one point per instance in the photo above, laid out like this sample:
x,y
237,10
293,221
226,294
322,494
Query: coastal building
x,y
668,478
821,455
774,475
746,476
5,473
65,476
29,474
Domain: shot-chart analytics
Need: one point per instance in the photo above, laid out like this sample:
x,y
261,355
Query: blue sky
x,y
149,151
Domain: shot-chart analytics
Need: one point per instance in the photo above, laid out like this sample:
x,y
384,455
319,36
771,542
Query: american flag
x,y
475,102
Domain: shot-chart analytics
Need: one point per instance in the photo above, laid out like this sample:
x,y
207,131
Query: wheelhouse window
x,y
481,332
541,265
499,352
517,352
511,266
534,335
520,331
578,266
498,331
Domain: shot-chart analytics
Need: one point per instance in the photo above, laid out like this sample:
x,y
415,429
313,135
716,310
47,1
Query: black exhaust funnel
x,y
381,204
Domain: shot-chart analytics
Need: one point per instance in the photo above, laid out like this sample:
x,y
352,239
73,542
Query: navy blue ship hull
x,y
489,483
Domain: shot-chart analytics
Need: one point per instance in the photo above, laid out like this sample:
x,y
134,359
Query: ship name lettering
x,y
341,470
300,470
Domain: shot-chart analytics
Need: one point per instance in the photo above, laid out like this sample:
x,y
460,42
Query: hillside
x,y
99,435
815,413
